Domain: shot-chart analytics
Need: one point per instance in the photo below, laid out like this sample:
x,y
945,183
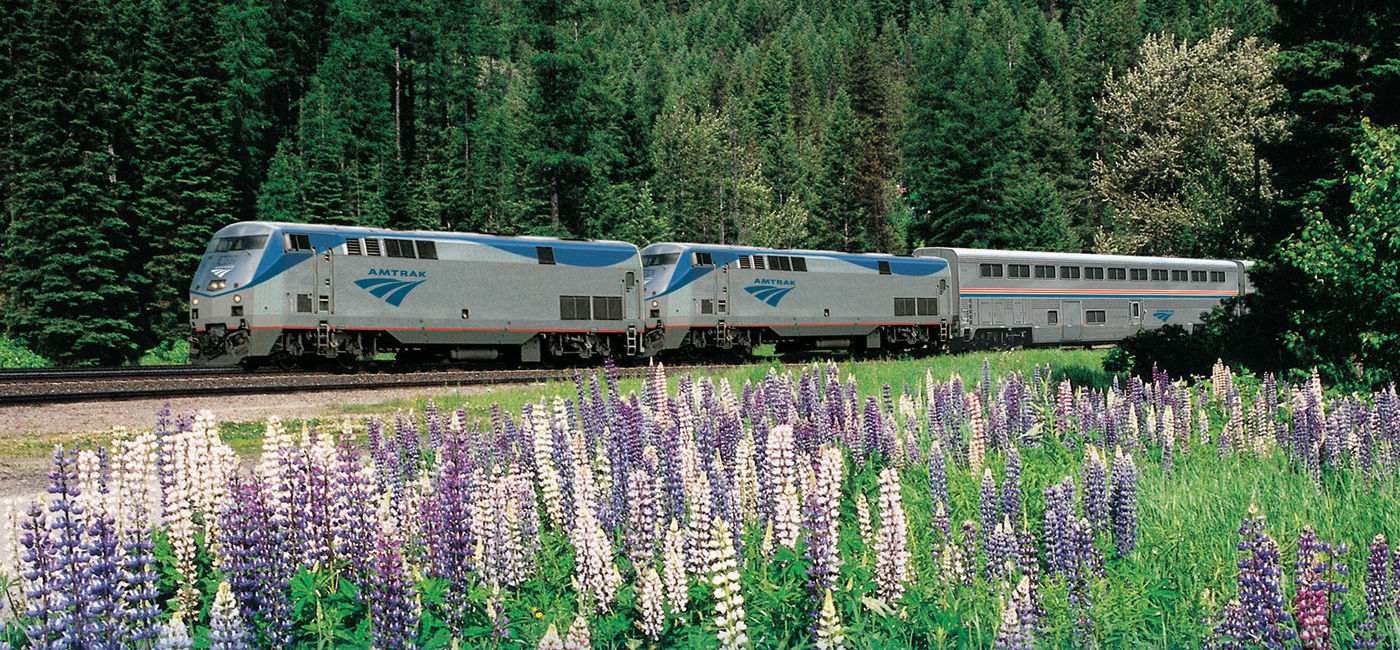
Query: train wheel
x,y
283,361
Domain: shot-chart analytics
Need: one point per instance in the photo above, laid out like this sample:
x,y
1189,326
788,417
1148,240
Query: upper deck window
x,y
243,243
1069,273
1045,271
296,243
990,270
1139,274
1178,275
1198,276
1159,275
1018,270
660,259
1116,273
399,248
1093,273
1217,276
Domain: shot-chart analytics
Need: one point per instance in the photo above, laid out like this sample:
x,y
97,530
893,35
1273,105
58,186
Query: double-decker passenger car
x,y
1021,298
703,296
283,292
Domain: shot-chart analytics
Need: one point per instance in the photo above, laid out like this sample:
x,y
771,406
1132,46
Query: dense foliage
x,y
133,130
1015,512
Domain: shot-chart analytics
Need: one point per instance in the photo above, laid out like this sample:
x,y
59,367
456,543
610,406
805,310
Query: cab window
x,y
660,259
244,243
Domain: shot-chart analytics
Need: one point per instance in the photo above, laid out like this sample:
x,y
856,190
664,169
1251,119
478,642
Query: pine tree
x,y
70,293
873,85
836,218
182,144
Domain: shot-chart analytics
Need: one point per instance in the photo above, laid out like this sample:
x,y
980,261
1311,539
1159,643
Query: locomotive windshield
x,y
660,259
244,243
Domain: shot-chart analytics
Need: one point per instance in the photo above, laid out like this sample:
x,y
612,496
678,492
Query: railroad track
x,y
98,384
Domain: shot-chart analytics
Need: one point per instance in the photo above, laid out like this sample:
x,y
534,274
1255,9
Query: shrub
x,y
167,353
13,354
1171,348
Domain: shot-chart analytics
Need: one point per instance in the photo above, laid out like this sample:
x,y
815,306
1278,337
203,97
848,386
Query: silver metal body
x,y
1071,298
704,296
334,292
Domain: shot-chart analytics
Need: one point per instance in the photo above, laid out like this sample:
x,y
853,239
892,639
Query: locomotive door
x,y
324,287
631,297
1072,316
722,291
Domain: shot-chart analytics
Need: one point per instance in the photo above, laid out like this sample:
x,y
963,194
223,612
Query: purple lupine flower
x,y
141,610
820,513
1011,495
1122,503
1380,606
1095,488
354,502
1261,618
643,521
59,554
1319,593
391,599
448,538
1001,552
1059,526
942,530
1028,560
259,559
1087,564
938,474
990,509
42,595
102,591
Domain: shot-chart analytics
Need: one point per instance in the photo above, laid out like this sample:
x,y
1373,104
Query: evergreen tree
x,y
836,218
182,144
70,291
873,83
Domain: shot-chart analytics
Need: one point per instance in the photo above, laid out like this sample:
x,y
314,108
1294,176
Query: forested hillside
x,y
135,128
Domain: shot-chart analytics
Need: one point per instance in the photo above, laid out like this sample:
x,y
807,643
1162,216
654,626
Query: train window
x,y
1045,271
1159,275
1052,317
354,247
427,250
1018,270
372,246
244,243
1093,273
758,262
573,308
927,306
1095,316
545,255
1198,276
399,248
701,259
884,267
1139,275
1137,310
1217,276
990,270
1069,273
745,262
799,264
660,259
466,313
296,243
903,306
607,308
1178,275
1117,273
631,280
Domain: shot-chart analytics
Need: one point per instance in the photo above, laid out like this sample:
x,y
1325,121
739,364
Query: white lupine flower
x,y
673,555
174,635
830,635
723,576
650,604
579,637
891,544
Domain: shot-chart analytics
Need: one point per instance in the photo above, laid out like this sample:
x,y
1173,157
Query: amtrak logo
x,y
221,272
391,290
1163,314
771,291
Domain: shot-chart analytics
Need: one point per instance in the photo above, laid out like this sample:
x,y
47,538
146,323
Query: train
x,y
288,294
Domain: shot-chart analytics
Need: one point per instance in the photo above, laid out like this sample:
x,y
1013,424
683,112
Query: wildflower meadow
x,y
1013,511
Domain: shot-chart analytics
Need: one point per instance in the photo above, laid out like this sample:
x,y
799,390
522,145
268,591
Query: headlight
x,y
653,303
194,301
237,298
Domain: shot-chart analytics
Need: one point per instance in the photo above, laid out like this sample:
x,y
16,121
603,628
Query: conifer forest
x,y
1249,129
